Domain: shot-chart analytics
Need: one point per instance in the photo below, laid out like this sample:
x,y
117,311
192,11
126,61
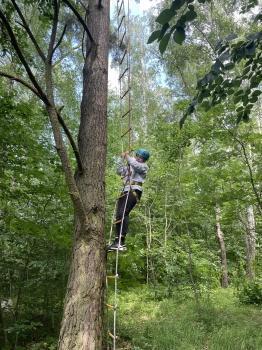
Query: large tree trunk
x,y
82,324
250,243
220,237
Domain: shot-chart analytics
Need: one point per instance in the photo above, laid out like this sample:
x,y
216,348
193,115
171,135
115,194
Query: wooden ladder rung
x,y
121,76
126,113
111,306
117,221
112,277
120,7
126,132
121,22
123,57
112,335
125,93
122,39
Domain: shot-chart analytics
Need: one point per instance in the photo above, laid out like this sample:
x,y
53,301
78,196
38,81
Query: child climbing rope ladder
x,y
133,170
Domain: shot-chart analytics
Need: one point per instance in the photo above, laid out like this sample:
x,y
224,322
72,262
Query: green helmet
x,y
143,153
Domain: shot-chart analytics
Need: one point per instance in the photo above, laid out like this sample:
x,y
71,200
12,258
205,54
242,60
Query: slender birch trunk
x,y
250,243
223,256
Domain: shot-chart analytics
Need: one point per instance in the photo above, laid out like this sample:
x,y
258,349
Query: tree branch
x,y
60,39
241,143
22,58
80,18
61,121
26,27
71,140
53,33
21,81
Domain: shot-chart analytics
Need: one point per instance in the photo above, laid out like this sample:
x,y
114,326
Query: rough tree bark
x,y
250,243
82,324
223,256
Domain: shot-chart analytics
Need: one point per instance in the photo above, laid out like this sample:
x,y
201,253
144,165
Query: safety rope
x,y
124,79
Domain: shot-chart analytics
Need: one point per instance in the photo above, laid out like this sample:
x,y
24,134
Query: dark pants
x,y
132,200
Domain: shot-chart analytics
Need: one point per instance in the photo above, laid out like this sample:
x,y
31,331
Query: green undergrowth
x,y
218,322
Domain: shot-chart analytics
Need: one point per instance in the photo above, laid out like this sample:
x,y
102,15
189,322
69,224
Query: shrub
x,y
251,293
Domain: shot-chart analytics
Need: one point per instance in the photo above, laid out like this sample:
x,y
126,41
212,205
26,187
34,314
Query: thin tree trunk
x,y
220,237
148,245
3,336
250,243
82,324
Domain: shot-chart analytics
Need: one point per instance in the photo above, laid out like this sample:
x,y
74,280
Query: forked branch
x,y
30,34
81,20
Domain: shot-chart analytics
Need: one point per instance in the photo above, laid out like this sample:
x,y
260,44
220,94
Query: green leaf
x,y
163,31
165,16
256,92
245,117
179,35
236,82
190,15
176,4
163,43
250,49
154,36
206,105
240,109
229,66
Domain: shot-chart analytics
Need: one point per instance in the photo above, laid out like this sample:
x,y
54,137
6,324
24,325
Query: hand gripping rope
x,y
126,129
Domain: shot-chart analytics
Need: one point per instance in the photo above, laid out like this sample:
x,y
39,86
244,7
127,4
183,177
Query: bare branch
x,y
22,58
21,81
80,18
26,27
53,33
65,56
205,37
241,143
60,39
71,140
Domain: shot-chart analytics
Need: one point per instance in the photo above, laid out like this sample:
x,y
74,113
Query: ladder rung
x,y
123,57
126,113
112,335
121,41
117,221
120,7
126,132
125,93
112,277
121,22
121,76
111,306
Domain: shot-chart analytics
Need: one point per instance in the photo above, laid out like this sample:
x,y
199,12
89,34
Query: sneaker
x,y
115,246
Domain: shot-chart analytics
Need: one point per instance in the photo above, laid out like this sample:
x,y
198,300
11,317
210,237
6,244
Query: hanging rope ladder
x,y
126,129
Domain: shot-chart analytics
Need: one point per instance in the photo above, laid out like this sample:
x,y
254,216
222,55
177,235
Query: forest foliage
x,y
172,270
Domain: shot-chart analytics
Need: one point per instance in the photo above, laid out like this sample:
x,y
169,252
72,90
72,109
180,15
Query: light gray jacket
x,y
138,172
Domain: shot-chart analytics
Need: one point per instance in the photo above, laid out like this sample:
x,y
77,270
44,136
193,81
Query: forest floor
x,y
218,322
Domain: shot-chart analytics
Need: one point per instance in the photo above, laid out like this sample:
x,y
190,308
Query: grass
x,y
218,323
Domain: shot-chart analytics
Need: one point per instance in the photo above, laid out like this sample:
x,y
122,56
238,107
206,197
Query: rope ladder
x,y
124,80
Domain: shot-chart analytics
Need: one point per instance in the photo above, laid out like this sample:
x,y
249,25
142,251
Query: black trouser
x,y
133,198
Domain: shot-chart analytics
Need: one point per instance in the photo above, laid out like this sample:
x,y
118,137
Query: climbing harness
x,y
126,130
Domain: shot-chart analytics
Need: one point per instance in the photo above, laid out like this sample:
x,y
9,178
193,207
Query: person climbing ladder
x,y
133,170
